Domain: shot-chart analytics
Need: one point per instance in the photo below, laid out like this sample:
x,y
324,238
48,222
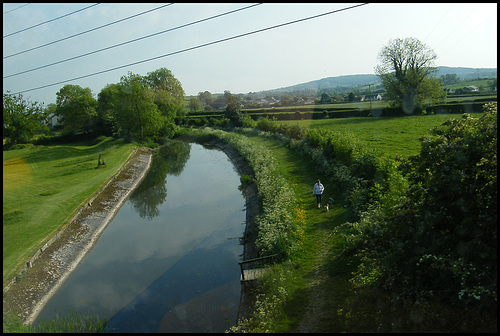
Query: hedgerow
x,y
440,242
276,227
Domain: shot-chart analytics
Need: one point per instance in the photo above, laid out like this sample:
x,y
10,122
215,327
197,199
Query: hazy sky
x,y
342,43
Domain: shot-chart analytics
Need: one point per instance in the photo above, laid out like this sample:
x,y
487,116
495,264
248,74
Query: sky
x,y
344,42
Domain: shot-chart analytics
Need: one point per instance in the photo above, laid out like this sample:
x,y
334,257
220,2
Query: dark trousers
x,y
318,198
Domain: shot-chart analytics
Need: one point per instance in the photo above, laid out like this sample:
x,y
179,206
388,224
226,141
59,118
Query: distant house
x,y
371,97
52,120
471,88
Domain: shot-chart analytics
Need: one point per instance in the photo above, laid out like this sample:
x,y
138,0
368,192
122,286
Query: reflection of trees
x,y
169,159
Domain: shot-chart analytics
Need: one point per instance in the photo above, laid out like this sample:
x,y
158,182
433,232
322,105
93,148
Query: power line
x,y
51,20
16,8
130,41
87,31
193,48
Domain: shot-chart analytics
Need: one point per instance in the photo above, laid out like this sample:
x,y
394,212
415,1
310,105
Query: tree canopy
x,y
21,118
142,106
405,70
77,108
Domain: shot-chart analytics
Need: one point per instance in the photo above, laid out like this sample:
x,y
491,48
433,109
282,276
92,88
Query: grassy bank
x,y
391,135
43,188
312,290
317,286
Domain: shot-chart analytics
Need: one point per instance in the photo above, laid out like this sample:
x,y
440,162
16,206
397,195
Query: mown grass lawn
x,y
43,186
391,135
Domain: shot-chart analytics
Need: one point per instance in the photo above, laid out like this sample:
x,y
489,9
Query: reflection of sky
x,y
133,252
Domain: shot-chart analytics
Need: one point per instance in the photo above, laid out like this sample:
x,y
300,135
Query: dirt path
x,y
27,296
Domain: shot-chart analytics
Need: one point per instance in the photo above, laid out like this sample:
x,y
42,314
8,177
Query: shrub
x,y
440,242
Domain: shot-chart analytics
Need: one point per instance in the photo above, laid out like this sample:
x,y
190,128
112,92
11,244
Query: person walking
x,y
318,191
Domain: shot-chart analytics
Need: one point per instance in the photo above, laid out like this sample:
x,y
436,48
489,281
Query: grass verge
x,y
43,188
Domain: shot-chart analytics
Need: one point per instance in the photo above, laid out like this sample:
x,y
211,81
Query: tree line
x,y
138,107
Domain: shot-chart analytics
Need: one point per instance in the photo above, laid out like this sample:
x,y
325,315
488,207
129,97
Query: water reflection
x,y
162,260
152,192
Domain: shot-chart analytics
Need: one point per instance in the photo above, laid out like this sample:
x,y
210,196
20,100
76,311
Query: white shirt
x,y
318,189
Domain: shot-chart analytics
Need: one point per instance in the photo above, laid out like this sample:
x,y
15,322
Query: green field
x,y
43,186
390,135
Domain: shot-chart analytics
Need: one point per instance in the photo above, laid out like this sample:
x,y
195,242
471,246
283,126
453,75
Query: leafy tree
x,y
137,114
168,92
351,97
21,118
492,84
286,100
405,70
107,105
233,110
441,243
77,108
449,79
325,98
194,104
206,98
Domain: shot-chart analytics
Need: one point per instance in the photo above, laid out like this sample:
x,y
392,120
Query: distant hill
x,y
351,81
468,73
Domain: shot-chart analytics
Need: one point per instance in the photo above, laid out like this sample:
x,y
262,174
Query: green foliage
x,y
168,93
245,181
405,70
142,106
440,242
233,111
293,131
72,322
21,118
277,232
77,108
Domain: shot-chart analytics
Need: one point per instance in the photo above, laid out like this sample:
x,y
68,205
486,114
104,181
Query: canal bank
x,y
26,296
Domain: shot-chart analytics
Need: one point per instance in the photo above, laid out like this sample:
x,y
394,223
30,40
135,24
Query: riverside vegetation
x,y
345,261
371,263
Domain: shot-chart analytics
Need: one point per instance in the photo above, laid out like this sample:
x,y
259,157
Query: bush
x,y
440,242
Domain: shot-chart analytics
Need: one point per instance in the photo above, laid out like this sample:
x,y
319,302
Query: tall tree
x,y
405,70
194,104
233,110
137,114
21,118
107,103
168,93
77,108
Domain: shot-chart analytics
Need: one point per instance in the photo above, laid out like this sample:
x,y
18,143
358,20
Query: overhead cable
x,y
130,41
16,8
51,20
193,48
87,31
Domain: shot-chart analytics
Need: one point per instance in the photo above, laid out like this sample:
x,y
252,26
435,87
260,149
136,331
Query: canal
x,y
168,261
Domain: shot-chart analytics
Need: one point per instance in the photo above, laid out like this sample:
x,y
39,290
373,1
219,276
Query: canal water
x,y
168,261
